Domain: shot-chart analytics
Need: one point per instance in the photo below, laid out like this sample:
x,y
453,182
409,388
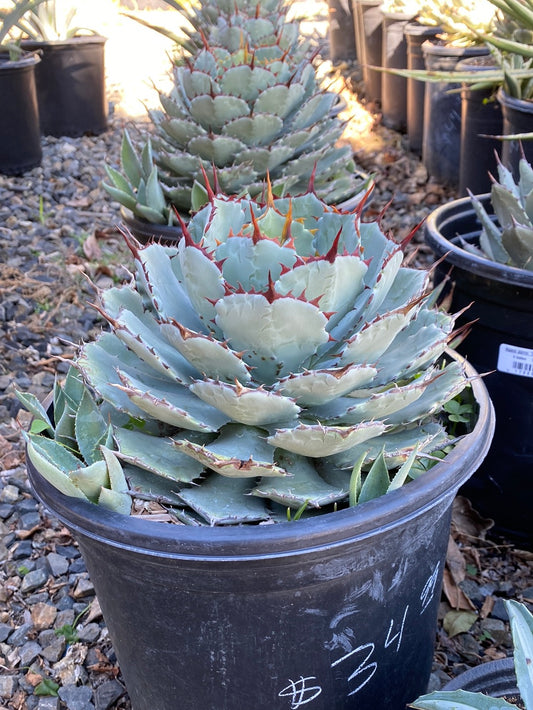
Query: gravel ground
x,y
58,239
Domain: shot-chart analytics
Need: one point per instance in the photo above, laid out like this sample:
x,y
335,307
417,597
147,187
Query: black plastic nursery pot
x,y
394,56
495,678
71,86
341,32
415,35
499,299
336,612
441,145
146,232
517,118
371,33
481,118
20,139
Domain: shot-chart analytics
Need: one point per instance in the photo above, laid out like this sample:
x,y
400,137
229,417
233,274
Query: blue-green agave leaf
x,y
223,501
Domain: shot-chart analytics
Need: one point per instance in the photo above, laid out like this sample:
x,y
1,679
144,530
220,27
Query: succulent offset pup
x,y
280,357
246,101
510,239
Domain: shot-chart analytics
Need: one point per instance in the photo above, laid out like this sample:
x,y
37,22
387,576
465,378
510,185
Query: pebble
x,y
33,580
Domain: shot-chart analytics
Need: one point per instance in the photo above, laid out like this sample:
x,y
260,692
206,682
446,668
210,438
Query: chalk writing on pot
x,y
301,691
358,663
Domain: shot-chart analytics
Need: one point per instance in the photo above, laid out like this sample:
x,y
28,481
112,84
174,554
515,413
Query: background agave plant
x,y
521,621
246,102
510,239
280,357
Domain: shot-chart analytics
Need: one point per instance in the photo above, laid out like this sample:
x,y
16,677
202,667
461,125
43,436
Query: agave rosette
x,y
248,103
266,362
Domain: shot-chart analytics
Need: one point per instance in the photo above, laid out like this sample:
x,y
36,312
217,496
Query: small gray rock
x,y
57,563
48,703
77,697
5,630
9,494
29,652
8,686
107,694
33,580
20,635
55,649
89,633
22,550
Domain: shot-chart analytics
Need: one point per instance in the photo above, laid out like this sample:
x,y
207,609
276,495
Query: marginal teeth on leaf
x,y
210,357
320,386
255,407
316,440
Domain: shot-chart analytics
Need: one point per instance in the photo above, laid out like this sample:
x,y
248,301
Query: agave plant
x,y
247,102
279,357
509,36
51,20
10,18
461,21
522,631
510,239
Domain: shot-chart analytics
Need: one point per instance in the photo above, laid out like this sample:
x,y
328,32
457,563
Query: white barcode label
x,y
515,361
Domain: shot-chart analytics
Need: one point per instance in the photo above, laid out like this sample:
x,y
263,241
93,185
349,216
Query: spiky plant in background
x,y
510,239
248,103
279,357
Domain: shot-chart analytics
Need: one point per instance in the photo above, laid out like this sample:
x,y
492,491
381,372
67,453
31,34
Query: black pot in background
x,y
357,31
341,33
341,608
394,56
146,232
20,138
441,148
371,29
495,678
517,118
481,117
71,86
500,305
415,35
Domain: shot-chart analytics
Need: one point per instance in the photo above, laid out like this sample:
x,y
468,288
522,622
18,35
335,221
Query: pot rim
x,y
70,42
441,48
26,60
522,105
493,677
458,256
330,530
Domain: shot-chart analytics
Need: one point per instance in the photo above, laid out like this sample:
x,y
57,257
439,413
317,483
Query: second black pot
x,y
517,118
441,147
499,302
20,140
495,678
394,56
145,232
71,86
481,118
